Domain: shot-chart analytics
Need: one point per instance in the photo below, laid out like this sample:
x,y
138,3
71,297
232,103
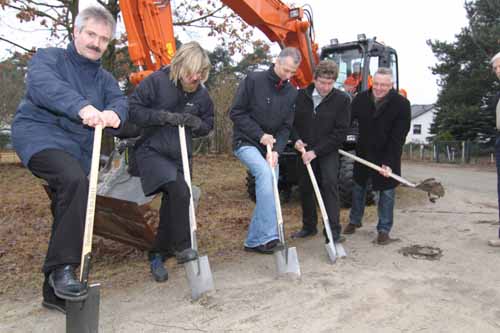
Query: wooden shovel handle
x,y
376,167
187,178
89,216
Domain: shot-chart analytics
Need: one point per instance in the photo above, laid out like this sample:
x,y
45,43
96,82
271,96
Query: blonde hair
x,y
191,58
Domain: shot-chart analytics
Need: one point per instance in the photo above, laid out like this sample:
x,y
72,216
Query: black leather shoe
x,y
158,269
268,248
186,255
303,233
66,285
50,300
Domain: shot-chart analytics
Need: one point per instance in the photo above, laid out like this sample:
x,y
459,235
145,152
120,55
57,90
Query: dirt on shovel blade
x,y
433,188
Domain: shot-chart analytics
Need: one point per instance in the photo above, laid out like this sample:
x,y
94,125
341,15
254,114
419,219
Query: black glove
x,y
174,119
190,120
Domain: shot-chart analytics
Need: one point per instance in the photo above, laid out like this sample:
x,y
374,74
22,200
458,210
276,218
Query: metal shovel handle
x,y
376,167
321,203
279,215
187,178
91,199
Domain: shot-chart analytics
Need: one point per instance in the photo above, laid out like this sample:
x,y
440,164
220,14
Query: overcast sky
x,y
404,25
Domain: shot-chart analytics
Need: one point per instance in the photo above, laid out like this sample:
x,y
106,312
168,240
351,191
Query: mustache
x,y
95,48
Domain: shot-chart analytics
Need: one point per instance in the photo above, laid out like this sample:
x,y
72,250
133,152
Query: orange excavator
x,y
151,41
123,213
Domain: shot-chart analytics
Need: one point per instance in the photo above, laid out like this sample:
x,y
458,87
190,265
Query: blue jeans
x,y
497,155
385,207
263,226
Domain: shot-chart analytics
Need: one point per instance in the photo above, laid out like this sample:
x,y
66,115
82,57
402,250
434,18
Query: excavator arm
x,y
150,34
151,39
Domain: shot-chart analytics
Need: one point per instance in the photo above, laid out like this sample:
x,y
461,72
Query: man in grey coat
x,y
68,93
495,64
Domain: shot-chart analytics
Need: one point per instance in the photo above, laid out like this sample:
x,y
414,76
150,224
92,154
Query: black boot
x,y
303,233
50,300
66,285
160,273
186,255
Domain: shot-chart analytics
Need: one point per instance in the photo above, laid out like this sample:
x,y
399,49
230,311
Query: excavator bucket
x,y
123,213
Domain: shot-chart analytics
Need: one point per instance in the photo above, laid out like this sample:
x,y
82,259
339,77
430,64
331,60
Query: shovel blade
x,y
331,251
199,277
287,261
83,316
340,250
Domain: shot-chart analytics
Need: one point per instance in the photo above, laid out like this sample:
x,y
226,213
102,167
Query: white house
x,y
422,116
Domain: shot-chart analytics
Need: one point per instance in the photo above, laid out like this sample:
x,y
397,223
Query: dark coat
x,y
58,85
263,105
382,134
158,151
323,129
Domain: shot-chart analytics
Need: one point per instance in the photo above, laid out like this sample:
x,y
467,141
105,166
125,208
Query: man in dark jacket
x,y
68,93
384,119
262,113
320,125
495,64
172,96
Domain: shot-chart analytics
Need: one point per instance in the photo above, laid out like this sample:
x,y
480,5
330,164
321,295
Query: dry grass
x,y
223,217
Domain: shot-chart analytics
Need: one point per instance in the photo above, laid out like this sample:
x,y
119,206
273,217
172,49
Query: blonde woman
x,y
167,98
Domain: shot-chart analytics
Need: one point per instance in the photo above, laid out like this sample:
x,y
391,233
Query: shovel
x,y
83,316
198,271
287,260
332,249
431,186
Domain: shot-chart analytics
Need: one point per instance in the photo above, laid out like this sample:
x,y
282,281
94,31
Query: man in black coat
x,y
321,120
262,113
172,96
495,64
384,118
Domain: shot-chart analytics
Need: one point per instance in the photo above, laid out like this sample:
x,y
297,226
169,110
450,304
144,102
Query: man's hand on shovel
x,y
307,156
272,157
385,171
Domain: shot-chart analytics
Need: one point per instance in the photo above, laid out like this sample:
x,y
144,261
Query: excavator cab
x,y
358,61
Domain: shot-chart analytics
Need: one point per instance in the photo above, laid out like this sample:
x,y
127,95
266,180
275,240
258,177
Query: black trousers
x,y
326,171
173,232
69,186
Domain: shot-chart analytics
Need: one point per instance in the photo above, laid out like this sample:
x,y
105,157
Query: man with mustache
x,y
68,93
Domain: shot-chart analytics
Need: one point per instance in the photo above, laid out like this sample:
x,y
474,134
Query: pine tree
x,y
466,80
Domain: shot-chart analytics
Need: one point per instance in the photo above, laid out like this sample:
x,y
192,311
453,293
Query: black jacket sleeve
x,y
140,111
283,134
240,113
207,118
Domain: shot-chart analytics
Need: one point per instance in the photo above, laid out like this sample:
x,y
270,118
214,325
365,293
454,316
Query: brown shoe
x,y
383,238
350,229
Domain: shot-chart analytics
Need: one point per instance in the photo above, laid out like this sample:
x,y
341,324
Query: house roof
x,y
419,109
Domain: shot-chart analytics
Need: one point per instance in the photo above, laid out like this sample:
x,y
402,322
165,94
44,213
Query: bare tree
x,y
57,16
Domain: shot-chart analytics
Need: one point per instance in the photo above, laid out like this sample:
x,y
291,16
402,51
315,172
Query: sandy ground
x,y
374,289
